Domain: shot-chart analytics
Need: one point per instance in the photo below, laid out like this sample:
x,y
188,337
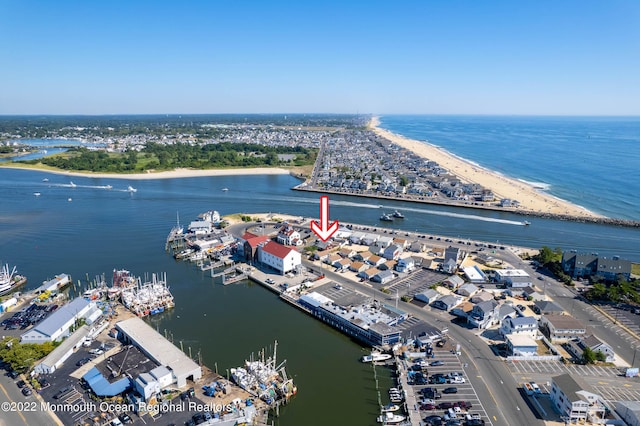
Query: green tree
x,y
601,356
404,181
588,356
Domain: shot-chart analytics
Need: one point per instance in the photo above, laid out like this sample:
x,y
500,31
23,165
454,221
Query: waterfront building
x,y
281,258
250,244
582,265
60,354
58,325
574,400
55,284
288,236
137,332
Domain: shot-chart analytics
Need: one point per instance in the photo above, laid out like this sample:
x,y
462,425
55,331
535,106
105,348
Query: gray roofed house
x,y
483,296
547,307
484,314
467,290
446,302
573,399
427,296
629,411
453,282
383,276
56,326
562,327
520,325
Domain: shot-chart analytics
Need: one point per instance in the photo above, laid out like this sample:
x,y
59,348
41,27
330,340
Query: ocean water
x,y
590,161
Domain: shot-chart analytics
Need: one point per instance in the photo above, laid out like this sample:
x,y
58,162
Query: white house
x,y
562,327
147,386
521,345
406,264
467,290
484,314
427,296
573,401
281,258
384,242
513,277
453,282
520,325
289,236
383,276
392,252
474,274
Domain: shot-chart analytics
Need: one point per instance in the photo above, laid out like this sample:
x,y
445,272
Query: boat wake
x,y
537,185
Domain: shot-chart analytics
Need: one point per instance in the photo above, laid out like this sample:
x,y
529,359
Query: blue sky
x,y
421,57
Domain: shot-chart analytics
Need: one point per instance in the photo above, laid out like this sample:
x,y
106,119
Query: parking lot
x,y
464,391
17,322
554,368
415,282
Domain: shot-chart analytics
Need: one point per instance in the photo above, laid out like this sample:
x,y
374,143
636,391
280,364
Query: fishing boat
x,y
398,214
375,356
386,218
389,418
131,189
145,299
9,280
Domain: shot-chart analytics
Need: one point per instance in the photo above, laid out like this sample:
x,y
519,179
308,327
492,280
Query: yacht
x,y
398,214
389,418
375,357
386,218
131,189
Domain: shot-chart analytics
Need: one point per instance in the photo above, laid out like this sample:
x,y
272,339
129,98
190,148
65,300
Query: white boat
x,y
526,223
9,279
225,189
398,214
37,194
108,187
71,184
375,356
131,189
390,418
69,199
390,408
45,180
386,218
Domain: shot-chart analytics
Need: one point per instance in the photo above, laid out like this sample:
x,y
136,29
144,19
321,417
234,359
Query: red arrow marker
x,y
323,230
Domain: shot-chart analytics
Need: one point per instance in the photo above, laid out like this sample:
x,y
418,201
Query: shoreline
x,y
532,200
170,174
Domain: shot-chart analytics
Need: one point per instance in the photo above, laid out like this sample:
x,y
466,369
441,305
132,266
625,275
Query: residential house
x,y
562,327
453,282
474,274
356,237
417,247
572,397
579,265
406,264
427,296
467,290
347,252
547,307
358,267
451,259
281,258
403,243
333,259
389,264
369,273
370,239
384,242
376,260
521,345
392,252
342,264
363,256
383,277
482,296
576,347
447,303
532,293
519,325
484,314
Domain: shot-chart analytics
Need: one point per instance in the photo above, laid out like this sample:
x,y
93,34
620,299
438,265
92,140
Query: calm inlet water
x,y
101,229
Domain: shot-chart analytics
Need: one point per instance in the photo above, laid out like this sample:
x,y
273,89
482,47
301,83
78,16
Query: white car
x,y
96,351
457,380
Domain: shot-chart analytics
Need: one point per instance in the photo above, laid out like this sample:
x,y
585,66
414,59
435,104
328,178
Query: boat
x,y
108,187
71,184
45,180
526,223
225,189
398,214
9,279
386,218
37,194
375,356
390,407
69,199
131,189
389,418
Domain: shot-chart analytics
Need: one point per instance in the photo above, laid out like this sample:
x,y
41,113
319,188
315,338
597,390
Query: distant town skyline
x,y
408,57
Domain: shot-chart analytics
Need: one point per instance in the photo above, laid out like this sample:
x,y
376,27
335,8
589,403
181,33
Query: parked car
x,y
436,363
82,362
450,390
445,405
26,391
21,384
125,418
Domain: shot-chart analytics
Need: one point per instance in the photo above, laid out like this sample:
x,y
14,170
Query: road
x,y
489,375
20,410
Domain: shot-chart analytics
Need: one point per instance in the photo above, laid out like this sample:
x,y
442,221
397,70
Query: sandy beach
x,y
173,174
530,198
